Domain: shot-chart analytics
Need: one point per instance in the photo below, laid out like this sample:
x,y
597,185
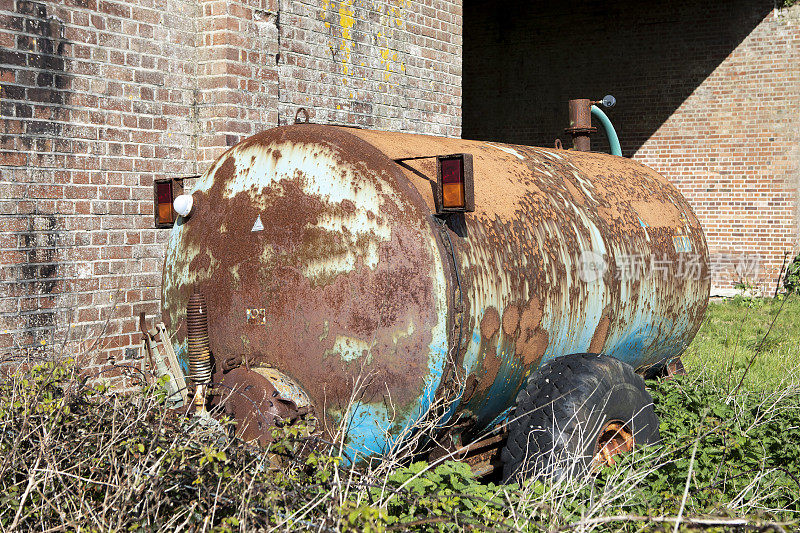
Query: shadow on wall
x,y
524,60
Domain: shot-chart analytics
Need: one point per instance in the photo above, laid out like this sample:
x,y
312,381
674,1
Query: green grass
x,y
730,337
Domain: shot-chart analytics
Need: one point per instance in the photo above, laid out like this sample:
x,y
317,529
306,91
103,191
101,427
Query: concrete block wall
x,y
100,97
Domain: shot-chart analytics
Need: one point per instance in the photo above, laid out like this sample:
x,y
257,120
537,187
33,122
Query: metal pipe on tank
x,y
580,124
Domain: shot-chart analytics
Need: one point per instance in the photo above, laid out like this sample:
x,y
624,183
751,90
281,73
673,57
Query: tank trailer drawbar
x,y
364,279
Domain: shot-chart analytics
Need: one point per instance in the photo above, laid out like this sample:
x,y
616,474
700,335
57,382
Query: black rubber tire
x,y
559,414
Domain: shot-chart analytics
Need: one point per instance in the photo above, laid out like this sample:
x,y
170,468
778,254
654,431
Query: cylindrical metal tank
x,y
319,255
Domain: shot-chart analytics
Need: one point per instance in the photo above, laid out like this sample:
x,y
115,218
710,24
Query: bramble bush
x,y
73,456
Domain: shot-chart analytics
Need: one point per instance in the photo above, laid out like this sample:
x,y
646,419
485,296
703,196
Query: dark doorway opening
x,y
524,60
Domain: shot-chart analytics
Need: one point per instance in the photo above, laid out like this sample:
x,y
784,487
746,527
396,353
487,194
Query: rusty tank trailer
x,y
336,280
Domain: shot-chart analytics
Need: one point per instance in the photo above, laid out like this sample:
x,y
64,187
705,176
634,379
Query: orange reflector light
x,y
164,193
454,180
452,183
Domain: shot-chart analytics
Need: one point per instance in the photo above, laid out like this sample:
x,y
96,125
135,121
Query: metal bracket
x,y
304,111
150,341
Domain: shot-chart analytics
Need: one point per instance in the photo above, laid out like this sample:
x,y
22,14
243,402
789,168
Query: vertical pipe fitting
x,y
580,124
197,335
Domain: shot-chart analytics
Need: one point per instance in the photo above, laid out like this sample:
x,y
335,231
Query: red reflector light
x,y
164,193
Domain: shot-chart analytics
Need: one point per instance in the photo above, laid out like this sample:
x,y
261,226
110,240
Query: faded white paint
x,y
508,150
350,349
319,173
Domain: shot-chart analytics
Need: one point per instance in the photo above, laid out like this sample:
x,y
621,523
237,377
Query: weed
x,y
75,457
791,280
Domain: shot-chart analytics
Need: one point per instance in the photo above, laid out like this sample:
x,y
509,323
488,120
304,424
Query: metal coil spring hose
x,y
197,335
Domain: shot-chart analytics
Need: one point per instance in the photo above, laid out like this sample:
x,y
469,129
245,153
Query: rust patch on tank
x,y
531,316
491,361
226,169
510,319
490,368
600,333
532,345
490,323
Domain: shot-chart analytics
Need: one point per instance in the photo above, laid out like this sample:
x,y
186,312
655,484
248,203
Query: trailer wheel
x,y
576,413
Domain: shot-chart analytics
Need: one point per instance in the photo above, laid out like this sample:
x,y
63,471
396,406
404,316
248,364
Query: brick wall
x,y
733,149
391,65
237,77
97,100
707,94
99,97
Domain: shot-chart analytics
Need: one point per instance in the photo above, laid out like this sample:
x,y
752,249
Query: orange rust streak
x,y
600,335
510,319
